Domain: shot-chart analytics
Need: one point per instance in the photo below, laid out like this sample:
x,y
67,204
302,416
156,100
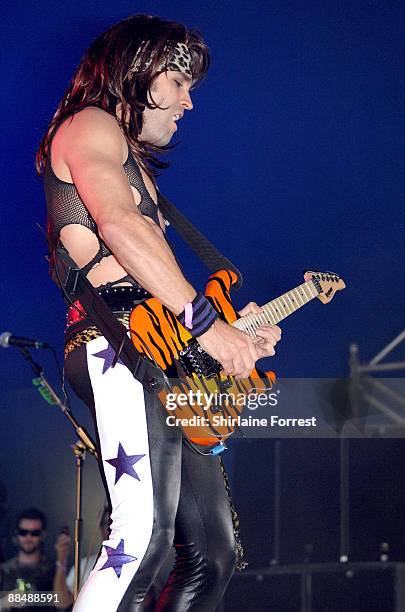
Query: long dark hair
x,y
106,77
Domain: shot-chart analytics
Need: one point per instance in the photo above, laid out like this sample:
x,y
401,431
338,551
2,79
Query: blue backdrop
x,y
291,159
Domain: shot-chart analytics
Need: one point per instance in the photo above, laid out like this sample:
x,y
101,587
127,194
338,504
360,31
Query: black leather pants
x,y
189,506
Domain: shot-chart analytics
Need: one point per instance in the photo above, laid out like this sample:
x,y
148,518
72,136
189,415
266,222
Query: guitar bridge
x,y
194,360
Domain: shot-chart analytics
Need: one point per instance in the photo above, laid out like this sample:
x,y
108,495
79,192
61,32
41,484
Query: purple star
x,y
108,355
117,558
124,464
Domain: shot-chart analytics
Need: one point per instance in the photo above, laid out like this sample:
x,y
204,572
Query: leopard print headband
x,y
180,60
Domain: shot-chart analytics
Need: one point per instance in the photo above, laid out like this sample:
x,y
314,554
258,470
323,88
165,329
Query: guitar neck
x,y
278,309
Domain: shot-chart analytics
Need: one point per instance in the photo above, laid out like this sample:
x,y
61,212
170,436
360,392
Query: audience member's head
x,y
30,530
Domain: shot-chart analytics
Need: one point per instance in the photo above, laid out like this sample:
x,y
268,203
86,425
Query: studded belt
x,y
121,300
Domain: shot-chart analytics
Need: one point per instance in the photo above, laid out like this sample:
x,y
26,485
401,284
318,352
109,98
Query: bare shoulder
x,y
91,132
93,118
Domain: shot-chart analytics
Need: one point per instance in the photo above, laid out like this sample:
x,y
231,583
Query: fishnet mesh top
x,y
64,207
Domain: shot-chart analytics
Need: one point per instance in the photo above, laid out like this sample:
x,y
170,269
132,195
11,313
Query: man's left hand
x,y
267,335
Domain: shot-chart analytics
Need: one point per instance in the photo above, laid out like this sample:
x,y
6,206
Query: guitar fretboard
x,y
278,309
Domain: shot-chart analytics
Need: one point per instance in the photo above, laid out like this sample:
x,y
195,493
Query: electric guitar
x,y
198,397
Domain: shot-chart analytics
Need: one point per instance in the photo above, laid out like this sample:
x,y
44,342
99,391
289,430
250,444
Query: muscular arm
x,y
93,148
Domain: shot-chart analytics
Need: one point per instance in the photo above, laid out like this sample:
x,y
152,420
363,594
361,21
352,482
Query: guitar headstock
x,y
326,283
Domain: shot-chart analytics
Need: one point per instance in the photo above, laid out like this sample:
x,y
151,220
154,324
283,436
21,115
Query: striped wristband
x,y
198,315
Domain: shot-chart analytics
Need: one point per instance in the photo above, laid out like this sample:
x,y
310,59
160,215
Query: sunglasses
x,y
32,532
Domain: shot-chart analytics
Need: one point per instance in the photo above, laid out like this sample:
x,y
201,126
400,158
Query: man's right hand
x,y
62,547
233,348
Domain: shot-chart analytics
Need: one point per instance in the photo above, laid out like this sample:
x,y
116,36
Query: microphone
x,y
7,339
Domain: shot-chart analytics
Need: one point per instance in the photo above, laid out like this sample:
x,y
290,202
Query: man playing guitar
x,y
98,158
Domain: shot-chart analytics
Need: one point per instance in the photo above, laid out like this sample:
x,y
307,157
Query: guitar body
x,y
158,336
211,402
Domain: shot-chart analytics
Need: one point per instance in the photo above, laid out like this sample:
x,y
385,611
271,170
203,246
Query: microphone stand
x,y
79,450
